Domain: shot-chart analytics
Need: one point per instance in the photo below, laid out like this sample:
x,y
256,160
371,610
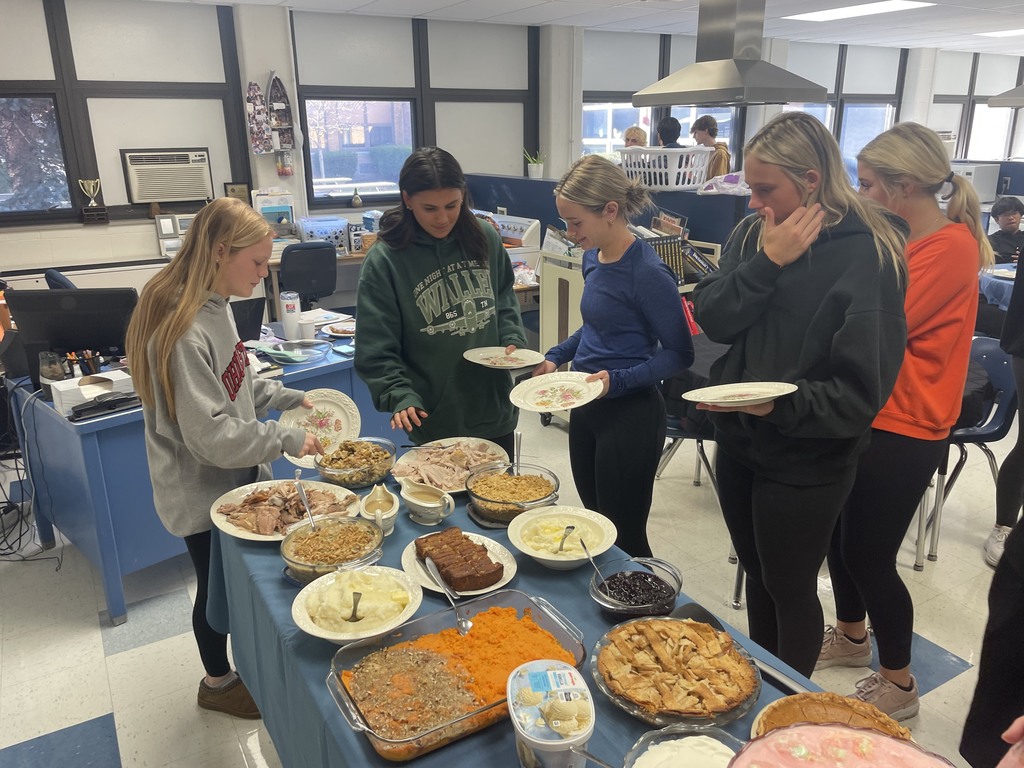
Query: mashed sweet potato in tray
x,y
412,695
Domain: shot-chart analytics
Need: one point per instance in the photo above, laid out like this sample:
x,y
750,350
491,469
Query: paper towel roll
x,y
290,312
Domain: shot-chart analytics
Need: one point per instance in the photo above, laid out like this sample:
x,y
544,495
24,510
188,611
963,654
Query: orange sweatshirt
x,y
941,307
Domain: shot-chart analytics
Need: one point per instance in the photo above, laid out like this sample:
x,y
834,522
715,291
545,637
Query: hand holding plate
x,y
545,367
758,409
605,378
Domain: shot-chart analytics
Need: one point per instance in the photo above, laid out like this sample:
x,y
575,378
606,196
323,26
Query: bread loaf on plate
x,y
462,563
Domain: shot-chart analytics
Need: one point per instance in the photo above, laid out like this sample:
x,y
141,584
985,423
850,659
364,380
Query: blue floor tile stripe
x,y
932,665
92,744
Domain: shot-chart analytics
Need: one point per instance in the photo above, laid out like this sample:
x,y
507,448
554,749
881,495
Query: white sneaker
x,y
995,543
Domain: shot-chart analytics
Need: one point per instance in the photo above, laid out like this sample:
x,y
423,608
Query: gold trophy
x,y
91,187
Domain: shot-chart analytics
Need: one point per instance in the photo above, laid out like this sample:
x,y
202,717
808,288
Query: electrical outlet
x,y
1006,185
503,211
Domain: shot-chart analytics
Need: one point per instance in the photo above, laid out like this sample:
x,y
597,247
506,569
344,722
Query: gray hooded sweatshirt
x,y
217,443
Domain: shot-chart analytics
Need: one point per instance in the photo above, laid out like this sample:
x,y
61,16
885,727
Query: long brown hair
x,y
172,299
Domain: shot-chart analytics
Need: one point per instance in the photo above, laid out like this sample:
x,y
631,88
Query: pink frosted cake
x,y
821,745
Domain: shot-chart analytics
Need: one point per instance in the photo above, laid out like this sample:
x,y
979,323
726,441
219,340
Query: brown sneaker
x,y
889,697
232,699
837,650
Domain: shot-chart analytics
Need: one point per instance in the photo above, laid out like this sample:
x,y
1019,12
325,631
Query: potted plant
x,y
534,164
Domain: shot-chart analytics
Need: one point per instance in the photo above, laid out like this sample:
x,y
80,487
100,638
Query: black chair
x,y
310,269
994,424
56,279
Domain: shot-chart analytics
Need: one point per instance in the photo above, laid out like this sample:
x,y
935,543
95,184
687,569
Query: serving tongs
x,y
462,624
305,499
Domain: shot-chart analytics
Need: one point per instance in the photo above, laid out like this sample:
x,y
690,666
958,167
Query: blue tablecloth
x,y
285,669
997,288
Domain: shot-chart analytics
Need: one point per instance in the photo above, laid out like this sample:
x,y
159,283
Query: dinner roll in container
x,y
551,710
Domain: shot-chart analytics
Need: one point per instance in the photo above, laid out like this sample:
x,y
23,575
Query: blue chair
x,y
310,269
993,427
56,279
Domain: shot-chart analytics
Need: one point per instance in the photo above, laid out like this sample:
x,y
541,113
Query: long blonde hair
x,y
172,299
594,181
909,152
797,142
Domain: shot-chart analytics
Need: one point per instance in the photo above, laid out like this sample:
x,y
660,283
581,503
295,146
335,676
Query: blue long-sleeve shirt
x,y
629,307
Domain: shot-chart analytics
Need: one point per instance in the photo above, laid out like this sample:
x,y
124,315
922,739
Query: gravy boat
x,y
427,505
380,500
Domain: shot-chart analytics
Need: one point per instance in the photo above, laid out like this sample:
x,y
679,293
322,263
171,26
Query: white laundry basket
x,y
667,169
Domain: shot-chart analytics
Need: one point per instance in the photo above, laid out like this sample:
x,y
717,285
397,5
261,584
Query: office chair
x,y
56,279
995,423
310,269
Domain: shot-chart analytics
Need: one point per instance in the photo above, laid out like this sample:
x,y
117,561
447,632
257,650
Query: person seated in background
x,y
704,131
635,136
1009,240
668,133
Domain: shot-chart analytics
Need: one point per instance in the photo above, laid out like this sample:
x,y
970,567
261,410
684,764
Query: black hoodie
x,y
832,323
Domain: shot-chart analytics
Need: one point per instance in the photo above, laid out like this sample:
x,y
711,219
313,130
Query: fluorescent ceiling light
x,y
1001,33
867,9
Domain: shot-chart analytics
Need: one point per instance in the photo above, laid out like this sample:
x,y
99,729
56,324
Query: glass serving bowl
x,y
491,506
361,474
357,542
679,732
637,586
296,352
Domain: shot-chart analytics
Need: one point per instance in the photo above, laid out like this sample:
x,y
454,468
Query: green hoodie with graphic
x,y
417,311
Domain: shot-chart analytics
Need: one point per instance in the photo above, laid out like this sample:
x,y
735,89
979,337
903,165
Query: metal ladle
x,y
305,499
591,559
568,529
356,597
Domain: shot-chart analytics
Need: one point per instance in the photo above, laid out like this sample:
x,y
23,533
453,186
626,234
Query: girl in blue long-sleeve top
x,y
634,334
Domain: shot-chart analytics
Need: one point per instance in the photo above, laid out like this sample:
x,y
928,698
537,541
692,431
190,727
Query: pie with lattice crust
x,y
676,667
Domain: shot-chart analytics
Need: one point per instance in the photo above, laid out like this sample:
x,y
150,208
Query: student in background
x,y
1009,240
201,403
635,136
810,292
436,283
668,133
705,132
634,335
907,170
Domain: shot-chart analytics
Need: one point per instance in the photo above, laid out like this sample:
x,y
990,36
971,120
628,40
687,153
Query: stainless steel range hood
x,y
729,68
1011,98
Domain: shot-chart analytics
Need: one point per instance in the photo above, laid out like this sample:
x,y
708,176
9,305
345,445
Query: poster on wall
x,y
258,120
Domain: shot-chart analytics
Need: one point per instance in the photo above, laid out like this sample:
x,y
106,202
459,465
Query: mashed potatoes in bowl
x,y
389,599
537,533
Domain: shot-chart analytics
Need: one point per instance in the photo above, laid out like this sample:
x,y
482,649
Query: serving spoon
x,y
356,597
461,623
305,499
592,758
591,559
568,529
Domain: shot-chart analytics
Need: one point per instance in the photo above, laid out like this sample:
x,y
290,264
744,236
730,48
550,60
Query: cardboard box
x,y
71,392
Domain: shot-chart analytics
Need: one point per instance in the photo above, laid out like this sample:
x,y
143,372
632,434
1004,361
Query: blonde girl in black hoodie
x,y
810,292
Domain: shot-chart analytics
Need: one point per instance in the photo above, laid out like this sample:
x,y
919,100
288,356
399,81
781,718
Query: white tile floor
x,y
61,665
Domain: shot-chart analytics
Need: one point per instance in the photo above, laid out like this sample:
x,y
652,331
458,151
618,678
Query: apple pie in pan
x,y
676,667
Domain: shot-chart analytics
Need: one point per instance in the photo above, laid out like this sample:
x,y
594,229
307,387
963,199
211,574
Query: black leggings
x,y
781,534
892,475
213,646
1010,487
615,445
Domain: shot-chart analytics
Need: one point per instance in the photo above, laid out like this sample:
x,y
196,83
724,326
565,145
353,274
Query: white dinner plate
x,y
304,622
333,418
237,496
741,393
413,453
322,317
558,391
412,565
342,330
495,357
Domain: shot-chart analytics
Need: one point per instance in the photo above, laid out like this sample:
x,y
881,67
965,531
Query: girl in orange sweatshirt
x,y
907,170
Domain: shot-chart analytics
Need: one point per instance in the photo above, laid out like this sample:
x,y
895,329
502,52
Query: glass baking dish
x,y
399,750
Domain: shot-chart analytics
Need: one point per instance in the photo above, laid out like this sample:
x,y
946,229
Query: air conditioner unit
x,y
167,175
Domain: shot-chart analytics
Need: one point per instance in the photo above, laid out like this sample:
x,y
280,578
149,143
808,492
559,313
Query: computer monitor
x,y
70,320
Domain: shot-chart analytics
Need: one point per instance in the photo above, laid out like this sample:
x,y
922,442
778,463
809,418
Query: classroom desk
x,y
286,669
346,261
91,479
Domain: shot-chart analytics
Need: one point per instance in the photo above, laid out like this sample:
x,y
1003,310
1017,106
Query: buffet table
x,y
286,669
997,286
91,478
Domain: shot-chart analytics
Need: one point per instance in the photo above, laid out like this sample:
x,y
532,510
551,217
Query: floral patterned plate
x,y
495,357
558,391
333,418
